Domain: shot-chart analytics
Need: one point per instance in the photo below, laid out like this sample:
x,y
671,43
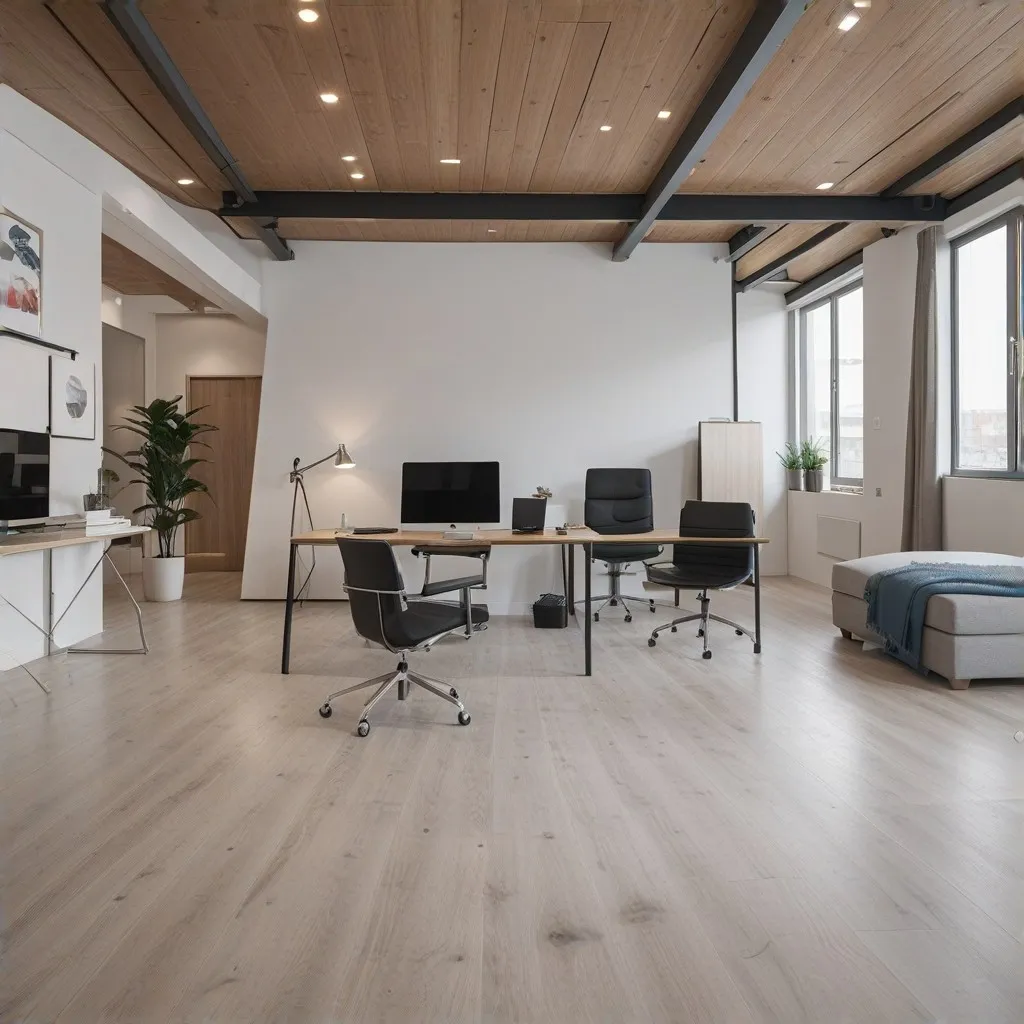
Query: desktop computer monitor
x,y
24,475
450,492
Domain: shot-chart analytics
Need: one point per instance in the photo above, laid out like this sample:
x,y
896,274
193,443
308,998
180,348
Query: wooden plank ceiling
x,y
128,273
517,91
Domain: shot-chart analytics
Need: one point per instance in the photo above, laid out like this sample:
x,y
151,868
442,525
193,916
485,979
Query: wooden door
x,y
216,542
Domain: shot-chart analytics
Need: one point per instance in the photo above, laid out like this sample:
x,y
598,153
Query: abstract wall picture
x,y
72,398
21,274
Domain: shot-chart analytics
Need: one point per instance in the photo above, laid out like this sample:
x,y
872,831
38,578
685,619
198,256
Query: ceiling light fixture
x,y
348,159
186,181
606,128
825,186
309,16
117,300
848,22
862,3
492,231
450,160
664,115
329,97
358,175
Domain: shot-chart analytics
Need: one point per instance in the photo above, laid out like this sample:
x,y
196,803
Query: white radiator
x,y
838,538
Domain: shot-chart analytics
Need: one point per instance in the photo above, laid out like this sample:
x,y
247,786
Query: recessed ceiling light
x,y
348,159
329,97
186,181
492,231
117,300
358,175
848,22
450,160
664,115
307,15
825,186
862,3
606,128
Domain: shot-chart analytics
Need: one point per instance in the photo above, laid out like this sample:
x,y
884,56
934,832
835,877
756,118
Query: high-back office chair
x,y
381,613
619,501
704,567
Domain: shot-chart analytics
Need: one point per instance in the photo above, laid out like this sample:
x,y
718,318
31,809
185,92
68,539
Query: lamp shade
x,y
343,460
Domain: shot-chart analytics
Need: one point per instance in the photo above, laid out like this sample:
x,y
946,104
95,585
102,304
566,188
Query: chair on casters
x,y
475,616
381,613
619,501
704,567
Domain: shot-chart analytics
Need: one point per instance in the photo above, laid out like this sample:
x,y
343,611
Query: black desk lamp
x,y
342,460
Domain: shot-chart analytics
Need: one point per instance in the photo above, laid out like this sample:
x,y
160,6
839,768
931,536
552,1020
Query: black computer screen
x,y
24,475
450,492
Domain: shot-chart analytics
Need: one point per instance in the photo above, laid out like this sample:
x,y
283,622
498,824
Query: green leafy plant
x,y
790,457
163,465
812,454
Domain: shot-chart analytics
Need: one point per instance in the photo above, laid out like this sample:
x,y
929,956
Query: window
x,y
832,362
987,358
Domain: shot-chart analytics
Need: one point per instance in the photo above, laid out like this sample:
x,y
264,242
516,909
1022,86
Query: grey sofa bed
x,y
966,636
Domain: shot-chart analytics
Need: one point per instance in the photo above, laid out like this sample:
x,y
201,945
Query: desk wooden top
x,y
22,543
506,538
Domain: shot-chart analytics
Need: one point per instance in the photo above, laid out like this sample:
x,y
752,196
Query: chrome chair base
x,y
705,618
616,597
401,677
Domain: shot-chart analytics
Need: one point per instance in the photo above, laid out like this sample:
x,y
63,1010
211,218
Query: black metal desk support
x,y
757,599
289,605
588,551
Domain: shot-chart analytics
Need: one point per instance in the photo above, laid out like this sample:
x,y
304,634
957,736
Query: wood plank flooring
x,y
815,835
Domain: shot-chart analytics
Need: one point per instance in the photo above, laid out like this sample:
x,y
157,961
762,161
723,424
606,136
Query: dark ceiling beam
x,y
957,150
769,25
749,238
769,270
541,206
998,181
137,32
826,278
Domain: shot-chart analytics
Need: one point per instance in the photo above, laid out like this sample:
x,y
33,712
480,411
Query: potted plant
x,y
101,498
163,463
813,459
793,465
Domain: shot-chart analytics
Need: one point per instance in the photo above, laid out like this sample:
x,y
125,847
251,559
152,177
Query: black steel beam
x,y
999,180
957,150
578,207
137,32
769,270
825,278
749,238
769,25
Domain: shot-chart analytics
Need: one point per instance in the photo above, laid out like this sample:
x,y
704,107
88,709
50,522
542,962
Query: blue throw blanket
x,y
897,599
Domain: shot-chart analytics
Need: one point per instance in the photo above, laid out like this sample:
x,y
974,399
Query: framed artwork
x,y
21,274
72,398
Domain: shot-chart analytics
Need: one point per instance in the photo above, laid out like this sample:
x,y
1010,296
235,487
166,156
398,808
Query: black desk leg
x,y
571,596
587,552
757,599
289,604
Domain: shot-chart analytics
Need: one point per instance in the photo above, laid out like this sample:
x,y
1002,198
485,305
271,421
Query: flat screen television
x,y
450,492
24,475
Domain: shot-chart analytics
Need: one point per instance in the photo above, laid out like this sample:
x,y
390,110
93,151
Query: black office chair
x,y
475,616
619,501
704,567
381,613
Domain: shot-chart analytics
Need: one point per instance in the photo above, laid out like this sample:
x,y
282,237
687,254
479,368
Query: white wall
x,y
983,515
110,306
548,358
762,341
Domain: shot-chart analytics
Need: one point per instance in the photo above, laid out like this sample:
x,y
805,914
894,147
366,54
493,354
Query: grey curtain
x,y
922,492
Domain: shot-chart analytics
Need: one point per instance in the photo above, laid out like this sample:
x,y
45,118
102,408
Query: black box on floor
x,y
550,612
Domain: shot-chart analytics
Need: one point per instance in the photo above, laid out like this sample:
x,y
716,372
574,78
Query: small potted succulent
x,y
792,463
101,498
814,460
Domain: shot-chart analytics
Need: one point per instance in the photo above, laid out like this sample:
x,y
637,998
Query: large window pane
x,y
850,375
818,332
982,365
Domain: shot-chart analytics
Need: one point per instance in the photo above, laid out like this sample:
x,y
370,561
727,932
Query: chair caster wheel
x,y
613,602
757,648
739,632
652,608
706,655
675,629
454,693
700,633
597,616
651,642
464,718
629,618
326,710
363,728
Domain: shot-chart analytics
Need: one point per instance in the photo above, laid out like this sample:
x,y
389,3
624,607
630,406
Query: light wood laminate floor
x,y
813,835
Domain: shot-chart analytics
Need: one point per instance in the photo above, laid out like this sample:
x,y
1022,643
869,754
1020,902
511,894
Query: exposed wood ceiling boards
x,y
1000,151
784,240
40,59
862,107
689,231
850,240
128,273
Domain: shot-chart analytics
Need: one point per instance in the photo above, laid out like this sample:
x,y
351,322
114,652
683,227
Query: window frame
x,y
832,301
1013,221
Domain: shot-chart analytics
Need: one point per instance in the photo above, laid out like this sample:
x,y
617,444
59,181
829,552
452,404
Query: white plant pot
x,y
163,578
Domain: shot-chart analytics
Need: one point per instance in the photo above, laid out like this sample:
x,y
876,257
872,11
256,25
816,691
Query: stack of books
x,y
103,521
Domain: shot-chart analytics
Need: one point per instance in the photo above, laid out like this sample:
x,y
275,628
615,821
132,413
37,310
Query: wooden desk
x,y
585,538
